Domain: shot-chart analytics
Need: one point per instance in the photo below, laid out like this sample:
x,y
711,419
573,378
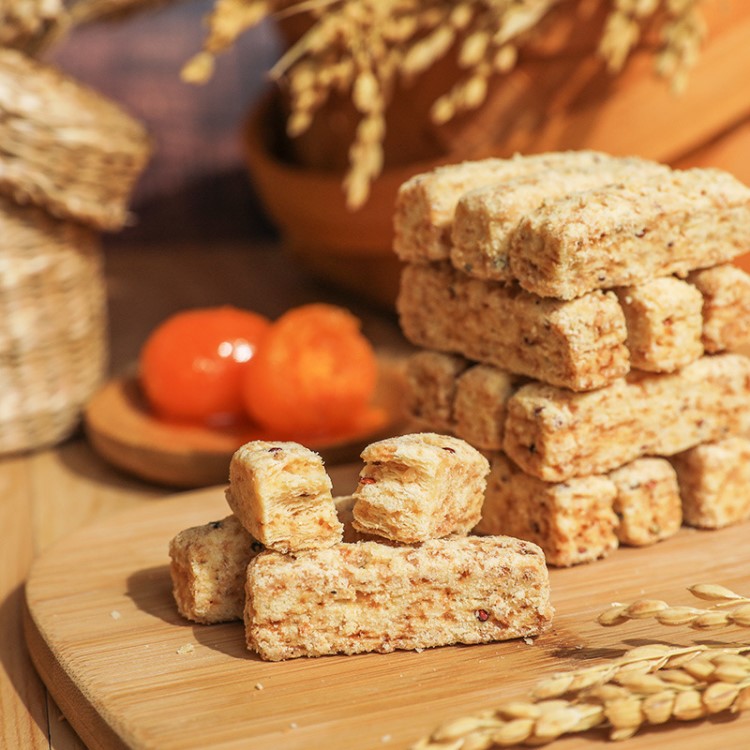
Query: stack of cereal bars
x,y
391,567
576,316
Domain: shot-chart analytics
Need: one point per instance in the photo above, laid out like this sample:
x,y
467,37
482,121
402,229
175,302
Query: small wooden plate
x,y
123,431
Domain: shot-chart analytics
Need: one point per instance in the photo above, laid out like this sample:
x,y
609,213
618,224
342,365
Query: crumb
x,y
115,615
186,649
259,686
385,738
528,640
293,725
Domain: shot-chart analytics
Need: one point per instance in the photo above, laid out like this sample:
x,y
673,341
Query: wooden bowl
x,y
122,430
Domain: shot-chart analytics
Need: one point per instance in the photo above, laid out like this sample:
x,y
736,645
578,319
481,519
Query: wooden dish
x,y
128,672
123,431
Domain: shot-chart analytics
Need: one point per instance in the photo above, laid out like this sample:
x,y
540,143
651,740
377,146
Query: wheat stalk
x,y
363,48
729,608
647,686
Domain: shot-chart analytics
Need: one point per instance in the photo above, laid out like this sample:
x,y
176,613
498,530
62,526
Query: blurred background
x,y
195,186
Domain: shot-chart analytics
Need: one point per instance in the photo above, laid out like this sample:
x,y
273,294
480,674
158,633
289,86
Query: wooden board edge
x,y
91,728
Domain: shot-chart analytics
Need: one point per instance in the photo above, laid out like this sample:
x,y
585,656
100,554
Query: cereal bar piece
x,y
354,598
425,203
486,218
573,522
726,306
281,493
208,565
625,234
714,480
578,345
647,502
431,388
420,486
482,393
665,323
554,434
208,568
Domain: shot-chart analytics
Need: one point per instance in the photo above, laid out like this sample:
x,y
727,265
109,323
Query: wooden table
x,y
46,495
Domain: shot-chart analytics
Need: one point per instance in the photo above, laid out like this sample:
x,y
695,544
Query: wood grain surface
x,y
127,671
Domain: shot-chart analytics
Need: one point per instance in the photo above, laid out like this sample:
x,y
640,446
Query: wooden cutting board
x,y
127,671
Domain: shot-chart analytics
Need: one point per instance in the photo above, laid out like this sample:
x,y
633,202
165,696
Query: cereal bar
x,y
431,389
664,322
726,306
714,480
354,598
486,218
207,567
482,393
281,493
419,486
573,522
578,345
555,434
625,234
647,501
425,203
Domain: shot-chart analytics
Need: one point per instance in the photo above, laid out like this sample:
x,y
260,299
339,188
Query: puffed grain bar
x,y
578,345
208,565
431,389
555,434
647,502
419,486
479,405
714,479
621,235
573,522
355,598
281,493
207,568
449,394
425,203
485,218
726,306
665,323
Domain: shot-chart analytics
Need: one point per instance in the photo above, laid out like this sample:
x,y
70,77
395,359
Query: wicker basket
x,y
53,345
64,147
28,24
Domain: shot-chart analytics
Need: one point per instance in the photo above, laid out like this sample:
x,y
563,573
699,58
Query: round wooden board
x,y
127,671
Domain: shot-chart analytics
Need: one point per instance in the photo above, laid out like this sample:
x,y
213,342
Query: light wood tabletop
x,y
47,495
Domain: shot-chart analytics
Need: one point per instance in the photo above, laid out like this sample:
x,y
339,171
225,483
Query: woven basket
x,y
64,147
53,345
27,24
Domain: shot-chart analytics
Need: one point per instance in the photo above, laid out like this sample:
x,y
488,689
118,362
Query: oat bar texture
x,y
281,493
353,598
665,323
555,434
714,479
449,394
431,389
578,345
625,234
425,204
726,306
419,486
573,522
584,518
208,567
647,503
486,218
